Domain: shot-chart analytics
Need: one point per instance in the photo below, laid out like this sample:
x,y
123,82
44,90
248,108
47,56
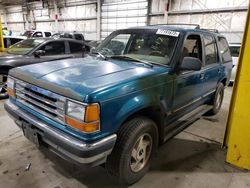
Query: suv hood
x,y
10,59
76,78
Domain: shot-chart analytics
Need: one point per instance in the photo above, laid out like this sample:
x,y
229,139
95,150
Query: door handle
x,y
202,75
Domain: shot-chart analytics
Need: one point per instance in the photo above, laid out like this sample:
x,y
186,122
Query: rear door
x,y
212,70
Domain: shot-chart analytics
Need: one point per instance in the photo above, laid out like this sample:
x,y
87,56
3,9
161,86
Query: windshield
x,y
156,46
24,47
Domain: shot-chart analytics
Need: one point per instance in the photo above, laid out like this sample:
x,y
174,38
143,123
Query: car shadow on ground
x,y
178,155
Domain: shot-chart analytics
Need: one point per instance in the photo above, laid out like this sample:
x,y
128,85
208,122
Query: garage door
x,y
122,14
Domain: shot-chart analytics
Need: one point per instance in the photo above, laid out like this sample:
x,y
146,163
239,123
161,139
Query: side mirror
x,y
83,50
191,63
39,53
92,50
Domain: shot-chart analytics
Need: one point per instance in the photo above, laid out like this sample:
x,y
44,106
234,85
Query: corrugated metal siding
x,y
122,14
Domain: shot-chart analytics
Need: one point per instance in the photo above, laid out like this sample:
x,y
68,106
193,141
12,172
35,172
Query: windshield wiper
x,y
100,55
132,58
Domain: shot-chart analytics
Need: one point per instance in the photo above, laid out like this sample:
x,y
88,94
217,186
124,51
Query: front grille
x,y
42,101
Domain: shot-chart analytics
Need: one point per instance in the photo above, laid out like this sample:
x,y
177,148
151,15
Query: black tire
x,y
3,89
120,163
217,100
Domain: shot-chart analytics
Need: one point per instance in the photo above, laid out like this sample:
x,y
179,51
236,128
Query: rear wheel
x,y
3,86
217,99
136,143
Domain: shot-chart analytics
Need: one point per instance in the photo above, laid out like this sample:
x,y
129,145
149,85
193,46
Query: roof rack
x,y
197,26
211,30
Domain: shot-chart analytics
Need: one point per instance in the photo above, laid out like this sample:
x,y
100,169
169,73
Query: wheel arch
x,y
153,112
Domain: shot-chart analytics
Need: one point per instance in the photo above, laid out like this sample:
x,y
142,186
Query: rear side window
x,y
210,50
47,34
224,50
79,37
75,47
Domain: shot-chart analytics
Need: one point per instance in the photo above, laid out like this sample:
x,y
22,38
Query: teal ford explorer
x,y
140,87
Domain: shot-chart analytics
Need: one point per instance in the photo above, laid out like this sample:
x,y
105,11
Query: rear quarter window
x,y
224,50
75,47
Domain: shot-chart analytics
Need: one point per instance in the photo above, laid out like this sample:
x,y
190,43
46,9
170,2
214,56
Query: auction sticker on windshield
x,y
168,32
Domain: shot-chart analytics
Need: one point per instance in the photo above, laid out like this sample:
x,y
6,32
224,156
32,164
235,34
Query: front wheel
x,y
217,100
3,86
136,143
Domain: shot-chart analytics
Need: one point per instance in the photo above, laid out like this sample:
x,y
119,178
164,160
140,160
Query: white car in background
x,y
235,51
37,33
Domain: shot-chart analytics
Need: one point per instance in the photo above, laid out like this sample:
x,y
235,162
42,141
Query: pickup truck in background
x,y
140,87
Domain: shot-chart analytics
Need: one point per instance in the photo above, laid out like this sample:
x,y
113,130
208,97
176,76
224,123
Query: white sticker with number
x,y
168,32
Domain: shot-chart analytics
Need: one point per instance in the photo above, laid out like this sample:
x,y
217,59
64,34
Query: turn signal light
x,y
92,113
10,92
84,127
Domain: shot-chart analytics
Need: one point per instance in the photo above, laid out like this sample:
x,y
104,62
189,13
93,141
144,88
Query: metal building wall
x,y
228,16
73,15
118,14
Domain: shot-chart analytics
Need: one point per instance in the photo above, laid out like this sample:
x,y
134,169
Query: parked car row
x,y
37,50
137,89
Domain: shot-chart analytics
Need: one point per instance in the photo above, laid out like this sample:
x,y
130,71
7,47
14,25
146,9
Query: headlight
x,y
11,86
76,110
85,118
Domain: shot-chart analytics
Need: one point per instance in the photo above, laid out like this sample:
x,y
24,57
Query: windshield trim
x,y
139,31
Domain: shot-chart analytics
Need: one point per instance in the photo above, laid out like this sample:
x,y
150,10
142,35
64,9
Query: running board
x,y
185,121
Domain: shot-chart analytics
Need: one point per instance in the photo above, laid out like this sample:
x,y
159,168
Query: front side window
x,y
192,47
210,50
54,48
151,46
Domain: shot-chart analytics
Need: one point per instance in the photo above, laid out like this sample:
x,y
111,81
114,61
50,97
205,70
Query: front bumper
x,y
64,145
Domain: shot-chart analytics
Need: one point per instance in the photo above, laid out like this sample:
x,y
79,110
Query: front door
x,y
189,84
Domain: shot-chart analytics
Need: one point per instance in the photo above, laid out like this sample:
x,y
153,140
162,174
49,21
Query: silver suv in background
x,y
235,51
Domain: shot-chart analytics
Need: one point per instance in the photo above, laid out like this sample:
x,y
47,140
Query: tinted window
x,y
38,34
75,47
14,41
224,50
78,37
235,51
47,34
192,47
54,48
210,50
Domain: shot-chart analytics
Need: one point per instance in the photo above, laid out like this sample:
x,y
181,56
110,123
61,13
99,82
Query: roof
x,y
53,39
175,28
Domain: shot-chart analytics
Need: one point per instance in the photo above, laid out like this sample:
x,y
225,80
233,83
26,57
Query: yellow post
x,y
237,136
1,37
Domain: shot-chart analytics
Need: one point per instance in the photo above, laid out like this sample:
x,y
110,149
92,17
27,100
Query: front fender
x,y
117,111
